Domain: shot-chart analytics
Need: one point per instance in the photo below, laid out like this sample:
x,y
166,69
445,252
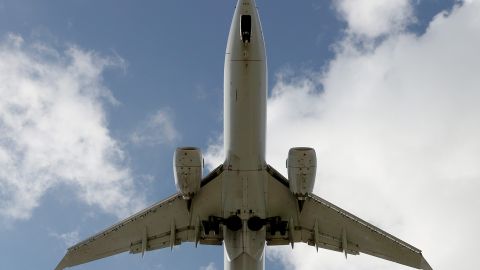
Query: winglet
x,y
63,263
424,265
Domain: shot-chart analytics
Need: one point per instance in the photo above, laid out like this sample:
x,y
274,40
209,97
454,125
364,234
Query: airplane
x,y
244,203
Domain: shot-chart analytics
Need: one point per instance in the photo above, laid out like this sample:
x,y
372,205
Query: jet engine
x,y
302,166
187,167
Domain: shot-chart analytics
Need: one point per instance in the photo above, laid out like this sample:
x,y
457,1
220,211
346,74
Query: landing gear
x,y
233,223
254,223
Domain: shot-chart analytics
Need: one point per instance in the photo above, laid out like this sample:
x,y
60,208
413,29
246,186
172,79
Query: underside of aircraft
x,y
244,204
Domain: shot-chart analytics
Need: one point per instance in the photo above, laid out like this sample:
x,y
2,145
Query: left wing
x,y
164,224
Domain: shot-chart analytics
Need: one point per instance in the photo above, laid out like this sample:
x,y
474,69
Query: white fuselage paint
x,y
245,96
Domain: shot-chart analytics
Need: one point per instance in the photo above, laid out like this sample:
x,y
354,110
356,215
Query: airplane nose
x,y
247,12
247,7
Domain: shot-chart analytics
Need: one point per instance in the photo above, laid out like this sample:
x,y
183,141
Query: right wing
x,y
319,223
328,226
165,224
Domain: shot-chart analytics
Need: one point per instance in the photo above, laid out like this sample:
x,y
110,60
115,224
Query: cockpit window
x,y
246,28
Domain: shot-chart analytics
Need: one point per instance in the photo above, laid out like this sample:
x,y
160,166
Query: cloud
x,y
396,132
53,129
69,238
157,129
370,19
215,154
210,266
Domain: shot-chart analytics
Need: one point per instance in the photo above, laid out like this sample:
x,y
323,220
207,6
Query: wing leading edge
x,y
320,223
164,224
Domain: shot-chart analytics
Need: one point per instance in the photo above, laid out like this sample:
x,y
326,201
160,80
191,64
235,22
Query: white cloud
x,y
396,130
157,129
373,18
69,238
210,266
53,129
215,154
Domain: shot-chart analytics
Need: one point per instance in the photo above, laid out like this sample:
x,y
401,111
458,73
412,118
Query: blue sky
x,y
96,95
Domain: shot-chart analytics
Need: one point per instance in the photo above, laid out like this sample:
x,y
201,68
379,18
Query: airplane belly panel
x,y
245,114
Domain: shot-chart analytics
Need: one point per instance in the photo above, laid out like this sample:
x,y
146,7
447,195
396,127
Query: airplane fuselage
x,y
245,96
244,203
245,86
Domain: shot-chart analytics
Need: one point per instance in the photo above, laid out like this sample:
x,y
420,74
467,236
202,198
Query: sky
x,y
96,95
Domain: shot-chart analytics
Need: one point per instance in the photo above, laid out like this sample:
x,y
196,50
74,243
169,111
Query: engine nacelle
x,y
187,167
302,166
